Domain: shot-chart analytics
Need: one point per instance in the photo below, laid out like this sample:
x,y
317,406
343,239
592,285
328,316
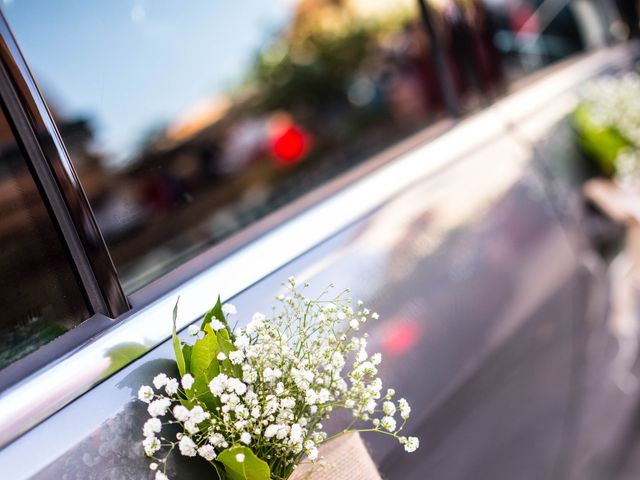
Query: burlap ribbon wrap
x,y
345,458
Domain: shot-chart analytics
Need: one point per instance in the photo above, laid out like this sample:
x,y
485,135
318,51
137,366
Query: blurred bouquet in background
x,y
251,400
607,120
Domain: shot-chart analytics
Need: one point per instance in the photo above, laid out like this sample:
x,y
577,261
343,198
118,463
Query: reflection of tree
x,y
347,82
309,68
313,74
25,336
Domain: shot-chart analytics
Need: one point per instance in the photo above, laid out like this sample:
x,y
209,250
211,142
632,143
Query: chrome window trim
x,y
42,394
30,114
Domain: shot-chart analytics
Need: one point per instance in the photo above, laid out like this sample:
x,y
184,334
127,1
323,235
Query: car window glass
x,y
188,121
39,294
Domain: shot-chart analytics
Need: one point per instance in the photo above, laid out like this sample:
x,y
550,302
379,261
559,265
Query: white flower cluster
x,y
614,102
271,392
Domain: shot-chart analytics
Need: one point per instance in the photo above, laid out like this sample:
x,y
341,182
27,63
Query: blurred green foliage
x,y
602,144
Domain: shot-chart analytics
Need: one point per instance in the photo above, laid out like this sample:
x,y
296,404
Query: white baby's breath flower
x,y
236,357
412,444
216,439
193,330
181,413
237,386
389,408
217,325
160,380
405,409
295,435
159,407
242,342
207,452
218,384
388,423
221,356
191,427
153,466
145,394
187,381
271,431
245,438
161,476
151,427
187,447
354,324
151,445
271,374
198,415
312,453
171,386
240,457
229,309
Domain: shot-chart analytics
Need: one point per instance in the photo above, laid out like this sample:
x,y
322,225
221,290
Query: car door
x,y
444,227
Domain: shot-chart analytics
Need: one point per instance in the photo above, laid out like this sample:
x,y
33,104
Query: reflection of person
x,y
405,85
473,56
629,13
489,62
461,47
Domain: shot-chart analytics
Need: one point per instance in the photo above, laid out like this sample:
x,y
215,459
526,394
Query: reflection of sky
x,y
132,65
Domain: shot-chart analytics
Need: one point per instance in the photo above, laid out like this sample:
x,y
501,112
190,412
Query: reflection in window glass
x,y
187,121
39,295
490,43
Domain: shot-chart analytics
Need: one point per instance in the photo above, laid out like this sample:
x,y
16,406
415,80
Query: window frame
x,y
36,132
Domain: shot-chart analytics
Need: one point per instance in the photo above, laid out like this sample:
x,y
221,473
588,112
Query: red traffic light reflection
x,y
289,144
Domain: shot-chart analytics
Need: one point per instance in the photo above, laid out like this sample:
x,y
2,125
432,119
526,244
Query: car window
x,y
39,293
187,122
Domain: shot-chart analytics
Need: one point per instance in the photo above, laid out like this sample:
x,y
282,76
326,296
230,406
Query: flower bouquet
x,y
607,121
251,401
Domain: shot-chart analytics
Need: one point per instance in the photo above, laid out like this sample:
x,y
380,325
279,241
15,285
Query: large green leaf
x,y
204,351
204,366
177,349
251,468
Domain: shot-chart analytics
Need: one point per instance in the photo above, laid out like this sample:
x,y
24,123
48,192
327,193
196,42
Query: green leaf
x,y
600,143
177,350
215,312
224,341
225,346
186,353
251,468
204,351
204,366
